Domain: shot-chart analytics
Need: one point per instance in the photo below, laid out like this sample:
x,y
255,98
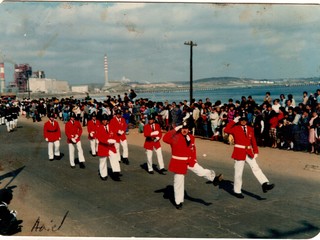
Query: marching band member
x,y
52,135
184,158
245,151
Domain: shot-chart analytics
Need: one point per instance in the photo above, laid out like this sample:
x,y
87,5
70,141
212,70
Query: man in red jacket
x,y
73,131
245,151
119,124
92,127
153,134
52,135
106,137
184,158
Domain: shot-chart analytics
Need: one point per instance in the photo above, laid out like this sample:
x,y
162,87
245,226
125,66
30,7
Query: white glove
x,y
120,132
73,140
154,133
59,138
112,141
236,119
47,139
14,213
91,134
188,138
76,136
255,155
178,128
156,139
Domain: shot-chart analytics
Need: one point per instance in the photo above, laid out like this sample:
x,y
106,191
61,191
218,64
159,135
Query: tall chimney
x,y
2,80
106,80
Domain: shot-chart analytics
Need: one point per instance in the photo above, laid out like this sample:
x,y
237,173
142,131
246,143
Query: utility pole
x,y
191,44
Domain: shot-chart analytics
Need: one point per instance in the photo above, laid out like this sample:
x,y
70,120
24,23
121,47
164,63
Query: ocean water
x,y
257,93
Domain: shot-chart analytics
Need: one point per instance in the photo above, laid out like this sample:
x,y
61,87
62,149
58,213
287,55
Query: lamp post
x,y
191,44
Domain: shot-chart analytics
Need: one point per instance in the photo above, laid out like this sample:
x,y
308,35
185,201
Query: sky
x,y
144,42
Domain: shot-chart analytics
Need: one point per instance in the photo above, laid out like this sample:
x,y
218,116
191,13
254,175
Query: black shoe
x,y
216,181
179,206
57,157
162,171
104,178
267,187
151,172
81,164
73,166
116,177
238,195
51,159
125,161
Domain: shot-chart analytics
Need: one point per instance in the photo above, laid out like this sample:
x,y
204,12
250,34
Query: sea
x,y
224,94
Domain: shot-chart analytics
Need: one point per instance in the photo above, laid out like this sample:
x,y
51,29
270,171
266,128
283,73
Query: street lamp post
x,y
191,44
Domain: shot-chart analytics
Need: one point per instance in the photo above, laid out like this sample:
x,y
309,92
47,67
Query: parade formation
x,y
108,122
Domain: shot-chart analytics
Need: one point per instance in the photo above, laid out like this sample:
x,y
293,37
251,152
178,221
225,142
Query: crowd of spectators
x,y
283,122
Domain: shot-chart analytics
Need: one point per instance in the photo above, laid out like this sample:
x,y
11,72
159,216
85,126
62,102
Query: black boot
x,y
125,161
267,187
116,176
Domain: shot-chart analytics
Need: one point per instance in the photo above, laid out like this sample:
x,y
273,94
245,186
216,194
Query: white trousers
x,y
2,120
9,125
15,123
178,180
72,150
125,152
94,145
114,163
238,170
159,157
53,149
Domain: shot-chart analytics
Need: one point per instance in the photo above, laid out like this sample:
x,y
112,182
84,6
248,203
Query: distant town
x,y
27,82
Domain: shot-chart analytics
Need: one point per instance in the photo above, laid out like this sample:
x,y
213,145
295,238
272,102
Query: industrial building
x,y
22,72
47,85
80,89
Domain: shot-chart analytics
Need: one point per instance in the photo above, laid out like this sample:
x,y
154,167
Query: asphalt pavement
x,y
53,199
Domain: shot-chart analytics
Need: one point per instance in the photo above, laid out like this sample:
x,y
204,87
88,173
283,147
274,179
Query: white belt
x,y
179,158
242,146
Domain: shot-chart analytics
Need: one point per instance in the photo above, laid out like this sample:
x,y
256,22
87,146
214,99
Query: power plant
x,y
21,75
24,80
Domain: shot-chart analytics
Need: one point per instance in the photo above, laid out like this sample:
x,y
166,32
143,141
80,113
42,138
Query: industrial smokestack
x,y
2,80
106,80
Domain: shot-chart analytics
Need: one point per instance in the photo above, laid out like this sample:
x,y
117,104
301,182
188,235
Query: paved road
x,y
55,200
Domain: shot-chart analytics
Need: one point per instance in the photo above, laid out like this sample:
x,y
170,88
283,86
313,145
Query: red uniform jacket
x,y
92,127
73,129
52,132
103,136
119,125
245,144
183,155
152,141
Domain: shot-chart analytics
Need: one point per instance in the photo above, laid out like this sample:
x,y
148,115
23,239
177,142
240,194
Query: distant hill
x,y
239,81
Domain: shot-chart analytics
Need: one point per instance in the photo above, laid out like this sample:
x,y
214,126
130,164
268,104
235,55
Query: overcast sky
x,y
144,42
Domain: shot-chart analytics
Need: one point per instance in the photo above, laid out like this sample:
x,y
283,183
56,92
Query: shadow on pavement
x,y
12,175
273,233
9,224
227,186
168,193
